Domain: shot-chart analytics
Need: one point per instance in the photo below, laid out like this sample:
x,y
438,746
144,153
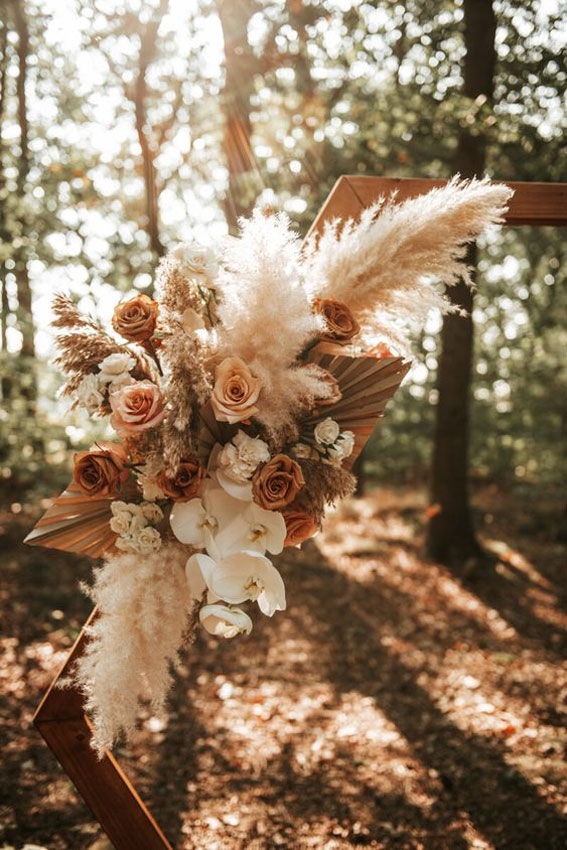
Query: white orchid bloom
x,y
197,521
239,577
241,491
254,528
223,621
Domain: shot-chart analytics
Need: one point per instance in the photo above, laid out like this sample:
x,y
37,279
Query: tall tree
x,y
148,37
451,533
244,178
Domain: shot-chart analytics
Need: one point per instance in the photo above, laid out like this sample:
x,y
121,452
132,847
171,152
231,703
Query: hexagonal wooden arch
x,y
60,717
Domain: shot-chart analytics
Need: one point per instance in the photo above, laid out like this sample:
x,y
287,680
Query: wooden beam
x,y
532,203
102,784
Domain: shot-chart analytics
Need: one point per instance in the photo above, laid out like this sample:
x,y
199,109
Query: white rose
x,y
199,261
152,512
118,383
123,544
346,442
327,431
114,365
118,507
88,394
342,448
147,540
120,523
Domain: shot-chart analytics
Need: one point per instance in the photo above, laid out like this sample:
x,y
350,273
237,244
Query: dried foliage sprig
x,y
325,485
87,345
187,384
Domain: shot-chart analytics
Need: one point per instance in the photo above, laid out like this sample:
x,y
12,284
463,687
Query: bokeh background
x,y
129,125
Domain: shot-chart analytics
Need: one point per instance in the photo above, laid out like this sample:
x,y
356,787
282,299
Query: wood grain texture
x,y
106,789
532,203
60,717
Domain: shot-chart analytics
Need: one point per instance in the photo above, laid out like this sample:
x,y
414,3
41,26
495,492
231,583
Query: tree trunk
x,y
25,314
4,307
451,535
240,66
147,51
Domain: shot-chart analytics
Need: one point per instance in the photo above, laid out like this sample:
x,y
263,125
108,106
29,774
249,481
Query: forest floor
x,y
395,704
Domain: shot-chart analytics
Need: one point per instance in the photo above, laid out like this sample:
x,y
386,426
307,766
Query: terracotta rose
x,y
185,484
136,407
136,319
341,324
277,483
100,471
299,526
235,392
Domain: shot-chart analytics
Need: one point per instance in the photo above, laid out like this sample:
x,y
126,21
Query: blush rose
x,y
235,392
136,407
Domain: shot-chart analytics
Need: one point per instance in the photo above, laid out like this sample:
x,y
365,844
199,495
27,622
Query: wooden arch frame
x,y
60,717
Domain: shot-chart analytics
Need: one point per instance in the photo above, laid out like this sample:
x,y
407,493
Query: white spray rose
x,y
146,540
115,365
327,431
152,512
120,524
88,394
200,262
121,381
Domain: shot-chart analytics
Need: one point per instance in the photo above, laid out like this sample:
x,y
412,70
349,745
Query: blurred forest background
x,y
128,126
400,702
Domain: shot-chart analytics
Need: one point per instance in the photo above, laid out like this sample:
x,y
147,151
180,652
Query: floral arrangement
x,y
239,396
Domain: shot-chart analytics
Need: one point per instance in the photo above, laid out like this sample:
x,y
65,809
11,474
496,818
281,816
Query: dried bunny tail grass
x,y
383,266
324,486
265,310
144,607
187,384
175,291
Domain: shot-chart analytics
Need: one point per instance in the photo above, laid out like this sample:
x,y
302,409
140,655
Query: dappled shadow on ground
x,y
394,704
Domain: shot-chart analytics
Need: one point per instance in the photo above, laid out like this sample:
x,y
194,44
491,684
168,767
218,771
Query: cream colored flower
x,y
242,576
199,261
237,463
342,448
152,512
146,540
120,524
88,394
327,431
224,621
114,366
